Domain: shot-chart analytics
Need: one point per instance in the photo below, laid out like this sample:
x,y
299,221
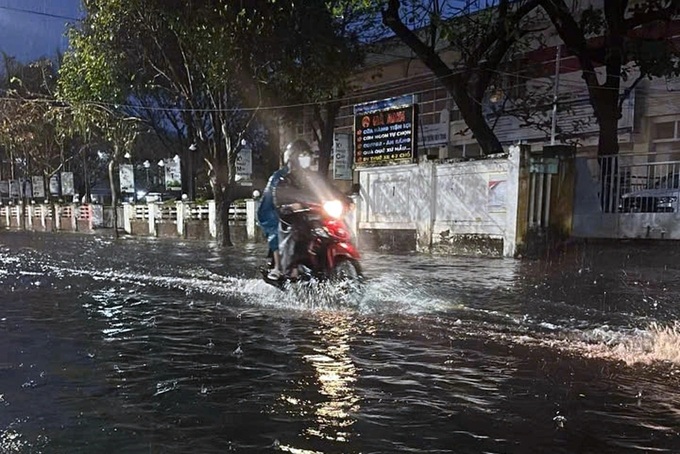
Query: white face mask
x,y
305,161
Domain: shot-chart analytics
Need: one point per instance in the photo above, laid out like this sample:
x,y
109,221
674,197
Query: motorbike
x,y
324,250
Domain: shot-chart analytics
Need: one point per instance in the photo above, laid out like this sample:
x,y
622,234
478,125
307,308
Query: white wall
x,y
465,198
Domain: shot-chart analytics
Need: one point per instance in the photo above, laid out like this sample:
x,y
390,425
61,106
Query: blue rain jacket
x,y
267,215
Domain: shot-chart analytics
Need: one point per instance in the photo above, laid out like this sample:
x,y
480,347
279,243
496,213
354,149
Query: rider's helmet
x,y
298,155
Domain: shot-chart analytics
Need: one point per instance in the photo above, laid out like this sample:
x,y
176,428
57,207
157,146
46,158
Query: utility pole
x,y
556,91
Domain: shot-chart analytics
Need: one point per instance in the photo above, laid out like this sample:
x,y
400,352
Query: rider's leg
x,y
286,246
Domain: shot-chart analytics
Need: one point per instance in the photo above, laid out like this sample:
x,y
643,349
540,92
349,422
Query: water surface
x,y
144,345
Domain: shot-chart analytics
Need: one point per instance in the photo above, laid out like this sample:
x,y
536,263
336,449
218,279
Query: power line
x,y
38,13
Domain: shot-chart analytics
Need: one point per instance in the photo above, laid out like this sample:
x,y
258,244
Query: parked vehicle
x,y
662,198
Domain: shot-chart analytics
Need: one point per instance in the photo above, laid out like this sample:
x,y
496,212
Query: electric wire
x,y
37,13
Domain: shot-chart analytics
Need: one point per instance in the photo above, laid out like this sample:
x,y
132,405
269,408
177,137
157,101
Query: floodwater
x,y
151,346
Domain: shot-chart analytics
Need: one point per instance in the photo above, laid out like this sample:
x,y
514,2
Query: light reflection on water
x,y
143,346
335,375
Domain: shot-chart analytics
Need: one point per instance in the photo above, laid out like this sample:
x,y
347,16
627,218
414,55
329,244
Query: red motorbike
x,y
324,248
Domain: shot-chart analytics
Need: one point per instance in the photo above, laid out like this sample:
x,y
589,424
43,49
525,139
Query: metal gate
x,y
627,196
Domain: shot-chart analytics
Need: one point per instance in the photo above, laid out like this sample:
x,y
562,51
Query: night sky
x,y
30,29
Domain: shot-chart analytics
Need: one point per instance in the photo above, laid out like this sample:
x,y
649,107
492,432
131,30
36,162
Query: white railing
x,y
72,217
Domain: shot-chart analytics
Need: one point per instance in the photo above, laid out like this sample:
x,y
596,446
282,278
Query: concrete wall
x,y
464,207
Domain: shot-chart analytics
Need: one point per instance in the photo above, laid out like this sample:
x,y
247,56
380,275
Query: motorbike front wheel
x,y
346,270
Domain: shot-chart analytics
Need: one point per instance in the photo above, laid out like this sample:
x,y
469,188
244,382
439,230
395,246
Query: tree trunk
x,y
221,187
454,83
331,110
222,204
482,132
609,133
114,198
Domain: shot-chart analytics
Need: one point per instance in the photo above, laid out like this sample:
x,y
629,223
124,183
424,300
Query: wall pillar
x,y
128,214
152,219
212,218
43,215
57,217
29,221
520,162
251,219
75,214
181,223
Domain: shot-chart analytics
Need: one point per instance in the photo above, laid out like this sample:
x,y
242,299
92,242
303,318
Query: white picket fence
x,y
179,215
59,217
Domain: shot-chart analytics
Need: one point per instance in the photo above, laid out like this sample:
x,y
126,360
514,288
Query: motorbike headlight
x,y
333,208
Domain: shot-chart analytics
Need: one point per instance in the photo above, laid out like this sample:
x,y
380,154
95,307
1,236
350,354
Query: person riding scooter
x,y
268,218
298,187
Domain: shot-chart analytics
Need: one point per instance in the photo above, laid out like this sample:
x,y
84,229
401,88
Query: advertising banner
x,y
342,157
38,187
67,186
15,189
127,178
54,185
244,164
4,188
173,175
385,136
26,188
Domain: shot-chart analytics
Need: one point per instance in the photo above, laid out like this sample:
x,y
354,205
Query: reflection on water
x,y
150,346
336,375
332,415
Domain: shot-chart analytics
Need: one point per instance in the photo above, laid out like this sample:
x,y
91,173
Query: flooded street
x,y
150,346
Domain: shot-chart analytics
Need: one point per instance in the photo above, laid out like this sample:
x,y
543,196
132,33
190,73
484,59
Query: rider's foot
x,y
274,275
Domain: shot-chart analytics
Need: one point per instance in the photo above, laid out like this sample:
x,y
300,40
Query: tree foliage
x,y
481,36
32,121
211,67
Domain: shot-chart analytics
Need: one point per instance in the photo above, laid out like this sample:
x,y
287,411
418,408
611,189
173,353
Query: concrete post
x,y
152,219
251,219
57,217
8,215
20,214
31,210
43,215
181,227
212,218
512,223
75,214
128,214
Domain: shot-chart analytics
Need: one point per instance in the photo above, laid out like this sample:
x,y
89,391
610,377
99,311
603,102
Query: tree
x,y
90,83
30,119
624,37
480,34
321,57
211,65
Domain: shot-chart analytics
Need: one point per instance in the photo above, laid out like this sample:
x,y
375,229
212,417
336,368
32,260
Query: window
x,y
664,131
456,115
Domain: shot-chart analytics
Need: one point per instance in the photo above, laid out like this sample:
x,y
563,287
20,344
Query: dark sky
x,y
30,29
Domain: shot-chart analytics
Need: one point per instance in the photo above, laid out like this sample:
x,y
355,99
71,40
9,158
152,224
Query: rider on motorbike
x,y
298,187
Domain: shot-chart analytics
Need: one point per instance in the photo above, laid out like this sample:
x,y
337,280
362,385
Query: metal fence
x,y
627,185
